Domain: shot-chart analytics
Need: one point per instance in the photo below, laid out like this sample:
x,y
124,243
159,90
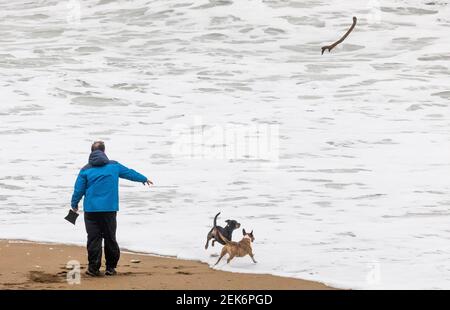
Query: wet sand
x,y
29,265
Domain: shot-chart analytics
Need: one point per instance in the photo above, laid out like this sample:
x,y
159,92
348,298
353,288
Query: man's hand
x,y
148,182
75,210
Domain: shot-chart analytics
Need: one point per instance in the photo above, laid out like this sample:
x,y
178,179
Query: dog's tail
x,y
223,238
215,219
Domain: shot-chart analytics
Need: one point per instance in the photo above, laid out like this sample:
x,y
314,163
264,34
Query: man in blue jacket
x,y
98,182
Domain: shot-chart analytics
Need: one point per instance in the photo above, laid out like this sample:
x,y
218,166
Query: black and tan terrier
x,y
226,231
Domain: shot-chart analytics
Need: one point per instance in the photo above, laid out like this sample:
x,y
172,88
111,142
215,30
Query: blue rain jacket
x,y
98,182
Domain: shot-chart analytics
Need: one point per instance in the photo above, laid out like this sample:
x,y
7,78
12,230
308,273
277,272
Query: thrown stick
x,y
330,47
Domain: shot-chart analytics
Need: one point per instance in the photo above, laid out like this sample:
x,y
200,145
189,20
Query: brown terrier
x,y
239,249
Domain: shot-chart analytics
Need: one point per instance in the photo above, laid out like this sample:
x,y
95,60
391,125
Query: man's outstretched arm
x,y
79,191
130,174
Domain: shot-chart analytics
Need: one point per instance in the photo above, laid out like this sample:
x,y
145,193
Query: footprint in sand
x,y
42,277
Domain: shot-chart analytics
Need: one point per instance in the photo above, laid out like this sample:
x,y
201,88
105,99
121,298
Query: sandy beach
x,y
29,265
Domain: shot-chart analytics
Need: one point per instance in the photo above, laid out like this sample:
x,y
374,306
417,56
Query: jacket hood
x,y
98,158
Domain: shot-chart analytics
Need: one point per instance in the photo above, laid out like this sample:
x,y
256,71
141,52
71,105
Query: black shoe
x,y
110,272
93,273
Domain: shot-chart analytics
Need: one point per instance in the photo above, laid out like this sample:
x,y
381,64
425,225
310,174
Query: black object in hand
x,y
72,216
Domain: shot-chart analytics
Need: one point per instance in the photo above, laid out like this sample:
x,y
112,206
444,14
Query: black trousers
x,y
101,226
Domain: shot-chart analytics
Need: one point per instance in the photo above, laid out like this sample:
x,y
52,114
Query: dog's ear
x,y
227,221
251,233
243,231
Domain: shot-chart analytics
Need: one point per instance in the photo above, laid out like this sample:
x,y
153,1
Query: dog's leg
x,y
212,243
209,237
222,254
230,258
252,257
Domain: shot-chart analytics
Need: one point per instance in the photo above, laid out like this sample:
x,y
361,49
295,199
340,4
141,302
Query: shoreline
x,y
42,265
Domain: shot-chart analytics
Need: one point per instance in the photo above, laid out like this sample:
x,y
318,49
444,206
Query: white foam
x,y
359,197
